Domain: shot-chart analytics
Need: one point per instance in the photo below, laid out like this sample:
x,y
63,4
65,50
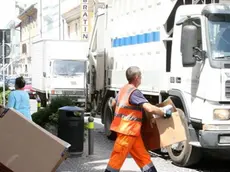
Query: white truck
x,y
183,49
59,68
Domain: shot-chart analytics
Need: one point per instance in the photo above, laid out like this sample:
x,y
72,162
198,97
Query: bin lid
x,y
71,108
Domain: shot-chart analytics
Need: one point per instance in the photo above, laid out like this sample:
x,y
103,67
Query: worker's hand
x,y
168,114
167,111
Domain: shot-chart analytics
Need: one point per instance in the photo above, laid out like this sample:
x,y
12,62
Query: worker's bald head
x,y
132,73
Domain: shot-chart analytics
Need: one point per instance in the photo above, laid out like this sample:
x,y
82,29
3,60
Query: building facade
x,y
54,19
14,56
28,34
14,22
79,18
50,21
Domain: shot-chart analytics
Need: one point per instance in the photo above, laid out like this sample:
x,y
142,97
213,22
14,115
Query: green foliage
x,y
60,101
53,118
50,113
7,92
48,117
41,117
6,88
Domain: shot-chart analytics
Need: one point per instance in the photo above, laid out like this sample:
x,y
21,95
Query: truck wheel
x,y
184,154
108,118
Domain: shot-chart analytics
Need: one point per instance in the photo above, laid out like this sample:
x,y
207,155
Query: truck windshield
x,y
219,35
68,67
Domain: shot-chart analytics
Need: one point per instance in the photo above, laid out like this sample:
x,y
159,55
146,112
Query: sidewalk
x,y
102,150
94,163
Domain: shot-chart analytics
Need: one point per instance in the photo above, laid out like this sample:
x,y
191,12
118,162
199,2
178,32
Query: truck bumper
x,y
74,97
214,139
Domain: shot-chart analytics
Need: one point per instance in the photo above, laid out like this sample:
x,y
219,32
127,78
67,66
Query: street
x,y
173,54
102,150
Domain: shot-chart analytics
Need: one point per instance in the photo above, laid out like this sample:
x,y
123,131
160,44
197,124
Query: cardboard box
x,y
27,147
164,132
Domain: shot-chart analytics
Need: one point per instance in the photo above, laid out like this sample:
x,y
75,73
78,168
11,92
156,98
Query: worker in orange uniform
x,y
129,106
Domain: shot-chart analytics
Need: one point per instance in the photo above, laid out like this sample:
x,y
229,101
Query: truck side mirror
x,y
188,43
44,74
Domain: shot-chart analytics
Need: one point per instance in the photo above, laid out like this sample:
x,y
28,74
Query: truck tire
x,y
108,118
189,155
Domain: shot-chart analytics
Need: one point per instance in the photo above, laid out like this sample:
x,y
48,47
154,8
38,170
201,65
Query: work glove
x,y
167,111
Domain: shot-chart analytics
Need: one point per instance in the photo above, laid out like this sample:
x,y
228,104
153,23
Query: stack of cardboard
x,y
26,147
164,132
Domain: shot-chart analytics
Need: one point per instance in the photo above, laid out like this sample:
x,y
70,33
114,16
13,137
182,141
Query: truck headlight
x,y
56,92
221,114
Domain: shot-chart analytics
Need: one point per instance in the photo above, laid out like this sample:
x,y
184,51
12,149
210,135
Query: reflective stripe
x,y
126,120
120,105
147,167
110,169
128,117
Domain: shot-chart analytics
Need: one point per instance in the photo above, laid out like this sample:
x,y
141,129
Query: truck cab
x,y
59,69
67,77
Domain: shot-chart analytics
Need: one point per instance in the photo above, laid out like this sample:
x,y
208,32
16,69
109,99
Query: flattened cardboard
x,y
164,132
27,147
171,130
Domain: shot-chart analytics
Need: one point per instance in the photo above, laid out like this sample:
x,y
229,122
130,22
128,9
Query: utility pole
x,y
3,64
59,6
41,18
5,51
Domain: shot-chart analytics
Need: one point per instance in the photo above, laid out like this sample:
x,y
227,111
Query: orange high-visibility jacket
x,y
127,118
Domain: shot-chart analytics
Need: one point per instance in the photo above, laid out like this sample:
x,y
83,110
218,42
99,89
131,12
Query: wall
x,y
79,18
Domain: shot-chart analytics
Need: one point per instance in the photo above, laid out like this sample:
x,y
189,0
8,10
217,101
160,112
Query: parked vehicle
x,y
28,88
183,50
10,83
59,68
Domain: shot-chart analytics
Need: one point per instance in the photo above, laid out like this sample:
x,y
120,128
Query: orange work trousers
x,y
134,145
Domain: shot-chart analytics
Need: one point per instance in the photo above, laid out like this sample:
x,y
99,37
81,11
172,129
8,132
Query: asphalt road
x,y
102,150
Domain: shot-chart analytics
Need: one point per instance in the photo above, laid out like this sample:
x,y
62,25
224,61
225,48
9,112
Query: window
x,y
26,68
24,49
68,67
219,32
49,25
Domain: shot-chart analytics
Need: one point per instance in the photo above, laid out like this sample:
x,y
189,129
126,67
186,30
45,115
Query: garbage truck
x,y
59,69
183,50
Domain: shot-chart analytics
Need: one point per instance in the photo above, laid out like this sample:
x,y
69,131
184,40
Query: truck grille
x,y
78,92
227,89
